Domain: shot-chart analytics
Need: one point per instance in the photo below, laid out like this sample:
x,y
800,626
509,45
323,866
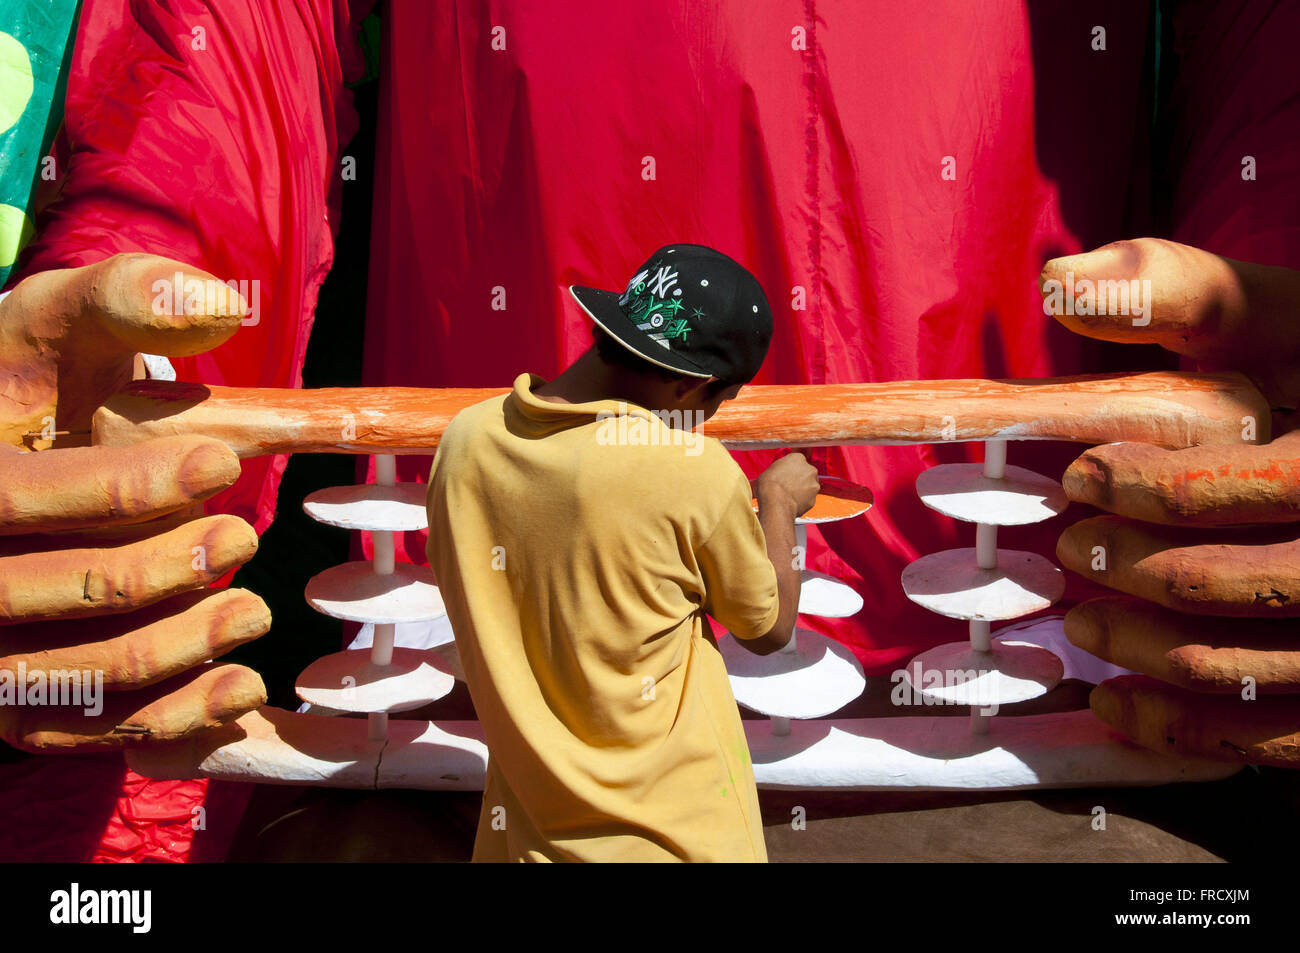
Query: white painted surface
x,y
819,677
951,584
350,681
959,674
1049,632
964,492
1066,750
158,367
354,591
325,751
444,756
372,507
315,750
826,596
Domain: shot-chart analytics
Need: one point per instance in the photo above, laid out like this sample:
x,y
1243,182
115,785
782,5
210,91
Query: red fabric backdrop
x,y
527,147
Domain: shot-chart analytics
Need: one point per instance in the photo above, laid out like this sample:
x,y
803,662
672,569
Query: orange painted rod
x,y
1165,408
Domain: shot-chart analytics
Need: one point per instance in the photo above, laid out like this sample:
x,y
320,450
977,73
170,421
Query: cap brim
x,y
602,307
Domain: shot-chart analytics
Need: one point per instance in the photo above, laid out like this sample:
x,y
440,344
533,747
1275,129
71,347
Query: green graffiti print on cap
x,y
646,301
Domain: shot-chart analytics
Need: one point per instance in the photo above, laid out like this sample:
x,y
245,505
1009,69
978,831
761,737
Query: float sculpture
x,y
1169,410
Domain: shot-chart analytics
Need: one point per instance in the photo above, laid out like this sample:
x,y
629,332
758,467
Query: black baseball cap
x,y
690,309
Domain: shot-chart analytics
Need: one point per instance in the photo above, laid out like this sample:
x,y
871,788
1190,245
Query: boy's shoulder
x,y
696,460
475,416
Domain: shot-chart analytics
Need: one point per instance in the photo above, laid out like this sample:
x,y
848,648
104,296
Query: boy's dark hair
x,y
616,355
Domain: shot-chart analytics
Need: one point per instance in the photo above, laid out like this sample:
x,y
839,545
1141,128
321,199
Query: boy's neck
x,y
590,379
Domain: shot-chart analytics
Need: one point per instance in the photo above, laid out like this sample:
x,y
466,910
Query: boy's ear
x,y
688,386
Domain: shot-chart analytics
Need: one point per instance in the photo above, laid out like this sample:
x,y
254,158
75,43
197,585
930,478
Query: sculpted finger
x,y
69,336
1167,719
138,648
1253,572
1220,313
1193,302
161,306
84,581
1198,653
54,490
1202,486
196,701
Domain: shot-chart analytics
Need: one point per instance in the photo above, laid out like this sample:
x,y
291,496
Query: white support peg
x,y
381,651
995,458
980,639
986,546
382,540
385,556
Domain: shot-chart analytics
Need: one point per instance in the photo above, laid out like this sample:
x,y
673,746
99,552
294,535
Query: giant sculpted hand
x,y
104,552
1204,542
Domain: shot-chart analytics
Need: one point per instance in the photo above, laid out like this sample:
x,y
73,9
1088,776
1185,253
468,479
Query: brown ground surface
x,y
1250,816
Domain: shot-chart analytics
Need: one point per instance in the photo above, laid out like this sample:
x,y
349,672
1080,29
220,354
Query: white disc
x,y
957,674
349,681
820,676
826,596
354,591
950,583
373,507
962,491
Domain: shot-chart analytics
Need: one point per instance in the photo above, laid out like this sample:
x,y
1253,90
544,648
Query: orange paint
x,y
1192,409
1187,476
1272,473
838,500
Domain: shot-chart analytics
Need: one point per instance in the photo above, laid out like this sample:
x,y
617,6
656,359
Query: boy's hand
x,y
790,480
786,489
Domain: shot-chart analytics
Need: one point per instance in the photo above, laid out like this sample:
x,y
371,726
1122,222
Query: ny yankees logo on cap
x,y
690,309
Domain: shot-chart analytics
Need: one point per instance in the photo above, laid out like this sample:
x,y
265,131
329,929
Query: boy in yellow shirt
x,y
579,531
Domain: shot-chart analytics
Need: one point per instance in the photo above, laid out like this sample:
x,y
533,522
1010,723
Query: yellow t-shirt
x,y
577,550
